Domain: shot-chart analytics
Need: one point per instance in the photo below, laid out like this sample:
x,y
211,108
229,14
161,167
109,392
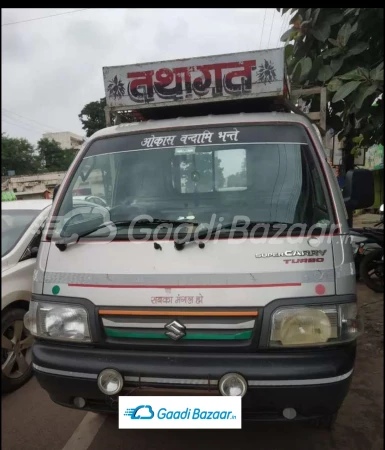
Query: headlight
x,y
58,321
314,325
350,324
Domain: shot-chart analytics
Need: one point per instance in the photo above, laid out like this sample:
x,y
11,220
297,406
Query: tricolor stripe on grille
x,y
200,325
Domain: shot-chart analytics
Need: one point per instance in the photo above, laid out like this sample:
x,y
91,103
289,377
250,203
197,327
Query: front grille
x,y
180,329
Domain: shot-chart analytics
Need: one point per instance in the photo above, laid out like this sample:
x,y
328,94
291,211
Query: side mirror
x,y
34,252
55,189
358,191
78,225
29,253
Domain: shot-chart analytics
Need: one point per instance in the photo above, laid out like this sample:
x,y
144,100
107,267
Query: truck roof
x,y
182,122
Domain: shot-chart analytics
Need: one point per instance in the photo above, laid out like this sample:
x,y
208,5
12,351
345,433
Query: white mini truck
x,y
218,257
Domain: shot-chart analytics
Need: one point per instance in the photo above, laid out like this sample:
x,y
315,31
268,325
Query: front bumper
x,y
313,382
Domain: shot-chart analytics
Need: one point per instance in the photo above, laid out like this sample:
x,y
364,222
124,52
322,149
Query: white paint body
x,y
16,275
226,273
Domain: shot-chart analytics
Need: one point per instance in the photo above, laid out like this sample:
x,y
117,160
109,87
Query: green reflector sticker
x,y
55,290
112,332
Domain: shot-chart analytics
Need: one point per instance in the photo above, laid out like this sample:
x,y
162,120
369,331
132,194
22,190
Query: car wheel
x,y
16,350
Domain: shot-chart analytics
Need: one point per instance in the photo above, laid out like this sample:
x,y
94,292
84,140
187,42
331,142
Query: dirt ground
x,y
360,423
366,397
366,220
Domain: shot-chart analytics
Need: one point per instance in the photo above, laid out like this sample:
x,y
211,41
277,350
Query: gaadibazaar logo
x,y
64,229
145,412
180,412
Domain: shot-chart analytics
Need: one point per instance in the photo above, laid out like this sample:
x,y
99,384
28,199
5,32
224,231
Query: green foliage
x,y
238,179
18,155
8,196
53,157
92,116
21,156
343,49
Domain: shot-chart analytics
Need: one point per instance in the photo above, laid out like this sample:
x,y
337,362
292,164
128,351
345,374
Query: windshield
x,y
264,172
14,223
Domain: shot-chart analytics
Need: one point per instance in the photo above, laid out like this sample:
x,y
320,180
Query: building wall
x,y
34,196
42,185
29,186
66,139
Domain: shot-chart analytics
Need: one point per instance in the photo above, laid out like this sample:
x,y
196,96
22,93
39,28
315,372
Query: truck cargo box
x,y
237,82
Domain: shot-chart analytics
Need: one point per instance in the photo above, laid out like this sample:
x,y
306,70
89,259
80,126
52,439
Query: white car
x,y
21,226
89,199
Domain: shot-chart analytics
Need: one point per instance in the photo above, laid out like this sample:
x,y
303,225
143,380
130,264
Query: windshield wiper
x,y
63,244
227,226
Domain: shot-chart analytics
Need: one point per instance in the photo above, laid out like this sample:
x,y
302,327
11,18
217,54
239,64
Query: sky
x,y
52,67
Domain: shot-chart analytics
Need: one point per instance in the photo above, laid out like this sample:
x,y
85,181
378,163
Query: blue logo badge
x,y
140,412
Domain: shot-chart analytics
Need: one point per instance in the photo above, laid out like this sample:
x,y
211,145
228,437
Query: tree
x,y
92,116
238,179
18,155
53,157
343,49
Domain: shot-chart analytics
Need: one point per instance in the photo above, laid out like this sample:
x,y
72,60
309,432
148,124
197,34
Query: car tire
x,y
16,351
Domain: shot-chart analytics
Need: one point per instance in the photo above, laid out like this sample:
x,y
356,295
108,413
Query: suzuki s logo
x,y
175,330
